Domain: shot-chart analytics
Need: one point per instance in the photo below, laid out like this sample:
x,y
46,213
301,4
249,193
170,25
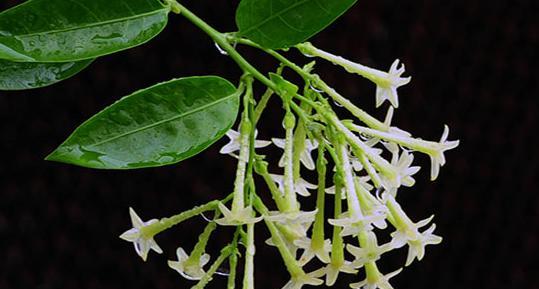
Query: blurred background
x,y
471,63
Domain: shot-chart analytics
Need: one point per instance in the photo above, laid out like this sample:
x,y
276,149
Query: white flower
x,y
402,164
238,217
333,270
293,226
143,244
306,279
408,232
311,249
305,156
378,281
416,240
188,268
386,86
437,157
352,225
369,253
234,143
300,187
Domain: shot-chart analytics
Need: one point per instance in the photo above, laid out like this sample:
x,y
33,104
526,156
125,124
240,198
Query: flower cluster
x,y
360,164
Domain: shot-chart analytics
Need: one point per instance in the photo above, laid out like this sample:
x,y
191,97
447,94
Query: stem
x,y
165,223
233,263
233,260
225,253
200,246
221,40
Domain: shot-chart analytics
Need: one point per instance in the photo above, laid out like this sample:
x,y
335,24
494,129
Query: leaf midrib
x,y
273,16
94,24
163,121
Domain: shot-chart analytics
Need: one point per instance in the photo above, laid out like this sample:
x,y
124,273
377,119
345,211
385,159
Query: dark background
x,y
471,63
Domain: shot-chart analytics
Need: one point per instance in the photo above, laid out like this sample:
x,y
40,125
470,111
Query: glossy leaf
x,y
27,75
282,23
71,30
157,126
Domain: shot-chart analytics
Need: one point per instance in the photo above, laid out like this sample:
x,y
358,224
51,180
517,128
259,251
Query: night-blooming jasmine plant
x,y
370,160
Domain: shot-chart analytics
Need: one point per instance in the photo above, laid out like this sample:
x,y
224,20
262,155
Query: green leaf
x,y
279,24
28,75
157,126
71,30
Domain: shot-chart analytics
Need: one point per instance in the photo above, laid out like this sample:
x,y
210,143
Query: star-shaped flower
x,y
408,232
386,86
293,226
403,166
437,157
306,279
237,218
300,187
188,268
371,252
352,224
378,281
305,156
234,142
143,244
311,249
416,240
333,270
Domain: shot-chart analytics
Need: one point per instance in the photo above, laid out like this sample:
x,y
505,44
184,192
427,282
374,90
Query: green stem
x,y
200,246
233,261
165,223
225,253
221,40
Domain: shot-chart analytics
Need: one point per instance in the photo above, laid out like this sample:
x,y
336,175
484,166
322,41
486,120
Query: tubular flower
x,y
143,244
188,268
386,85
408,232
368,253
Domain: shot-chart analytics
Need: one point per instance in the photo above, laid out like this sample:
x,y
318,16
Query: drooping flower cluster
x,y
363,163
